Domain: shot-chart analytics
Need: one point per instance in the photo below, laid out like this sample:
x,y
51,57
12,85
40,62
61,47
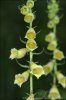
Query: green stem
x,y
31,76
55,70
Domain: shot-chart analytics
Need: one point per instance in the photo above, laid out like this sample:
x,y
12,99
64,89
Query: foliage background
x,y
11,28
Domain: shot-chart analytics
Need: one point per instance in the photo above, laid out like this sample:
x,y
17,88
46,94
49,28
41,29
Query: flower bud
x,y
37,70
30,3
52,45
24,10
61,79
54,93
50,37
31,45
48,67
29,18
21,78
31,34
58,55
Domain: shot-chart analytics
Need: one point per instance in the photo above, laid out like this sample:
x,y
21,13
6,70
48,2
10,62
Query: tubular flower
x,y
31,97
50,24
24,10
18,53
14,53
54,93
21,78
48,67
31,45
37,70
61,79
29,18
50,37
52,45
30,34
58,55
30,3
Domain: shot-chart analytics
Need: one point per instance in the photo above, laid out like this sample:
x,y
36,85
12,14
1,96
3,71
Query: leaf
x,y
41,94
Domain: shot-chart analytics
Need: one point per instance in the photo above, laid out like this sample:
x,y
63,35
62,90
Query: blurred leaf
x,y
41,94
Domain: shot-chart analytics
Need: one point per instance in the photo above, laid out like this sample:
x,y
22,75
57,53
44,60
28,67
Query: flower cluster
x,y
58,55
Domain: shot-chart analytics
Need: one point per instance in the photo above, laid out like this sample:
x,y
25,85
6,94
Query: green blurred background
x,y
12,27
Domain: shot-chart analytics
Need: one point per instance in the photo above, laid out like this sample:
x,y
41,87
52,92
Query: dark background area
x,y
11,28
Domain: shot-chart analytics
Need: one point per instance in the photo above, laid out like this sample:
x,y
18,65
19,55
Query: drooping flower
x,y
14,53
24,10
31,45
29,18
50,37
56,20
31,97
54,93
61,79
52,45
58,54
21,78
30,34
30,3
48,67
18,53
50,24
21,53
37,70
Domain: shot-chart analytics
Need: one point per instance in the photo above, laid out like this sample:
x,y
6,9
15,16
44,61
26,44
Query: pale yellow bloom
x,y
18,53
31,34
31,97
61,79
21,53
24,10
50,37
37,70
14,53
52,45
30,3
31,45
29,18
21,78
48,67
58,55
54,93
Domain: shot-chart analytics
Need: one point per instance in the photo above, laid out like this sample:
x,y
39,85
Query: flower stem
x,y
55,70
31,76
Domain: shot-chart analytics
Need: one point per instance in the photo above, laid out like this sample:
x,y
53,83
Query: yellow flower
x,y
31,45
30,3
61,79
50,24
56,19
37,70
58,55
18,53
21,78
21,53
50,37
14,53
31,97
24,10
48,67
29,18
52,45
31,34
54,93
